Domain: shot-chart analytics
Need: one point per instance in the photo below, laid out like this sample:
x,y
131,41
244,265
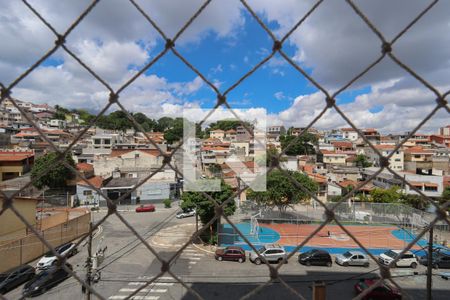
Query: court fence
x,y
405,217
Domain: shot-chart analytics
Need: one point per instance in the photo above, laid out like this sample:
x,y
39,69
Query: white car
x,y
185,214
50,259
408,259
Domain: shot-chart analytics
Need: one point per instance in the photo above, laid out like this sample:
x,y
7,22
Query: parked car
x,y
439,260
45,280
185,214
382,292
230,253
352,258
15,277
315,257
50,259
271,252
145,208
408,259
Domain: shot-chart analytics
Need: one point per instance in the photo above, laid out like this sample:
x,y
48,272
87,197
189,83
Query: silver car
x,y
352,258
271,252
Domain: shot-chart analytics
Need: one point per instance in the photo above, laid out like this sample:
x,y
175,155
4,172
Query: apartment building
x,y
396,161
430,185
349,134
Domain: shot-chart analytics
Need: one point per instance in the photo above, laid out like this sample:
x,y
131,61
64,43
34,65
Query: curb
x,y
201,249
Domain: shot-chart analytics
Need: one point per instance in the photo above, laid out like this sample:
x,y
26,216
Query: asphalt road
x,y
129,264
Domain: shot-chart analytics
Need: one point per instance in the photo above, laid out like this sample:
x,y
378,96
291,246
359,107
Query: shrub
x,y
167,203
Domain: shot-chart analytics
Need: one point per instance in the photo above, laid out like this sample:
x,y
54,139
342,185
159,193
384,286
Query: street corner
x,y
173,237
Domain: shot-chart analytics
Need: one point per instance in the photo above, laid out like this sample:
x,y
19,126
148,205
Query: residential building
x,y
341,146
289,163
331,157
56,123
15,163
419,160
240,148
217,134
106,141
445,130
274,132
396,161
104,165
151,191
349,134
85,194
242,134
443,140
372,135
429,185
230,135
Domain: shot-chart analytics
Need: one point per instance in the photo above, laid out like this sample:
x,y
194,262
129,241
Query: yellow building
x,y
10,225
15,163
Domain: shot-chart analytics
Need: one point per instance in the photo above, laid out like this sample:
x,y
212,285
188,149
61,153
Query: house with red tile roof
x,y
15,163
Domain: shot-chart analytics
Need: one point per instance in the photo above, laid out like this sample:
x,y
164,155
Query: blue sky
x,y
224,42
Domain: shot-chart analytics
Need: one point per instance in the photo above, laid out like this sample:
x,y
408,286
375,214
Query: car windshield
x,y
391,254
347,254
262,249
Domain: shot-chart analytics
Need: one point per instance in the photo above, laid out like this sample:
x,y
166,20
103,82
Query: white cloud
x,y
279,95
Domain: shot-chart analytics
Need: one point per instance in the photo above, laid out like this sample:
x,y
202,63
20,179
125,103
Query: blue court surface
x,y
229,237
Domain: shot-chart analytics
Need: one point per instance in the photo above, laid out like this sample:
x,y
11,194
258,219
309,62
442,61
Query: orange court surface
x,y
332,236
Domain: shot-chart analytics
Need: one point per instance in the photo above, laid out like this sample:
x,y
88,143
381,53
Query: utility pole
x,y
88,265
430,264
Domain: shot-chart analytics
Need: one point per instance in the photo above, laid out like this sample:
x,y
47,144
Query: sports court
x,y
376,238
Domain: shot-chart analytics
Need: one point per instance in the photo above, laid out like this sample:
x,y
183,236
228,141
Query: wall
x,y
87,200
29,248
9,222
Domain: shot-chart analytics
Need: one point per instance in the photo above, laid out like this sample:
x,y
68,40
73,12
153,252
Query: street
x,y
129,264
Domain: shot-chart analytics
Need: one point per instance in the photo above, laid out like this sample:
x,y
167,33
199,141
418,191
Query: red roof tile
x,y
85,167
96,181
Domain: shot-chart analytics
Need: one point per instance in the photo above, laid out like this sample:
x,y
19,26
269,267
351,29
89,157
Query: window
x,y
87,193
431,188
106,142
97,141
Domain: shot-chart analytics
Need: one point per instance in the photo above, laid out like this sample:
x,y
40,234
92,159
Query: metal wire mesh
x,y
387,52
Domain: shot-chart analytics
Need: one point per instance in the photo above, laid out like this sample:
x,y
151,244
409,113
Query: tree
x,y
205,207
302,145
389,195
175,133
271,157
164,123
415,201
445,197
58,175
362,161
282,192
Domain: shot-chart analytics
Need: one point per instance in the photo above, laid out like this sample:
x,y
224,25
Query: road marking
x,y
194,254
153,283
192,262
143,290
119,297
192,258
137,283
159,278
